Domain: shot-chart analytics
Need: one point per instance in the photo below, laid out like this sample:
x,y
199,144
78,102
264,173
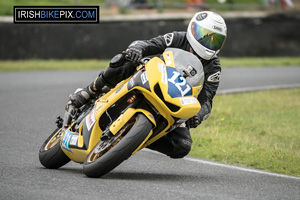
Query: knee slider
x,y
182,142
182,148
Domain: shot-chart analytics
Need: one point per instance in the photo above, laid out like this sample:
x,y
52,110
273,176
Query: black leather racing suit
x,y
177,143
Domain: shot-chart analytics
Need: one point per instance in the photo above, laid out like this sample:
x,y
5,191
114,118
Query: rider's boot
x,y
82,96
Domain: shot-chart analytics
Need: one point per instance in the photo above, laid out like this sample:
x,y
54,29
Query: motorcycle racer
x,y
205,36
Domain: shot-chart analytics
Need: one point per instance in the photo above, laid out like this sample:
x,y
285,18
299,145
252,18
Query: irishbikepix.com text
x,y
56,14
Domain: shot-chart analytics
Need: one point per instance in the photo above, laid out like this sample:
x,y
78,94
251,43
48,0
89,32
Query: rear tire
x,y
51,155
106,156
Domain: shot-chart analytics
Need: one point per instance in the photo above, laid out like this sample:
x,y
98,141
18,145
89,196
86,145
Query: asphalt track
x,y
30,102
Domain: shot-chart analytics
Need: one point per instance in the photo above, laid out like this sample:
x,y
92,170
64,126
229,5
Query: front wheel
x,y
51,155
108,154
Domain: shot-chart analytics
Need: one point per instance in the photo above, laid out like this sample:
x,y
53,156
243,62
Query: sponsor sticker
x,y
201,16
168,56
168,59
144,77
217,28
74,140
90,120
98,109
66,140
151,116
162,68
131,82
169,62
187,101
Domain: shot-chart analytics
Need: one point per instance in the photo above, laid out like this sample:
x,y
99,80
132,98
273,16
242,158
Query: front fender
x,y
126,116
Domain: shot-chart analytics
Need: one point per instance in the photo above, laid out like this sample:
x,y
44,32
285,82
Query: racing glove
x,y
134,53
196,120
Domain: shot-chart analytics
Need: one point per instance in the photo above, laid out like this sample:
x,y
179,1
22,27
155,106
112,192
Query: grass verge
x,y
23,65
258,130
26,65
260,61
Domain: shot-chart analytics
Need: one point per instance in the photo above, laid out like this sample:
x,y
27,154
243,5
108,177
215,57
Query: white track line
x,y
234,167
258,88
207,162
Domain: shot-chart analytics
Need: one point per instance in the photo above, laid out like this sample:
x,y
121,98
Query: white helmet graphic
x,y
206,34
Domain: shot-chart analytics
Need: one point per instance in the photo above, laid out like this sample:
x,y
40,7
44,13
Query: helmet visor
x,y
207,38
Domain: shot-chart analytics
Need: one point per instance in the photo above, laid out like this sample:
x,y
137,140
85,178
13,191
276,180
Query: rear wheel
x,y
108,154
51,155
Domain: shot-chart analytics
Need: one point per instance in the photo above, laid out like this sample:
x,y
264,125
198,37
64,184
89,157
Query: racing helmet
x,y
206,34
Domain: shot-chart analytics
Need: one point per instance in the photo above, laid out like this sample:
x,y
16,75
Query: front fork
x,y
68,116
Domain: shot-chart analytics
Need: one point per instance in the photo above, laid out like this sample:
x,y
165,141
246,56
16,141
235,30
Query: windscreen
x,y
187,61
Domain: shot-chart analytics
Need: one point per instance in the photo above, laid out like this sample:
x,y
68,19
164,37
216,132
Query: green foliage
x,y
259,130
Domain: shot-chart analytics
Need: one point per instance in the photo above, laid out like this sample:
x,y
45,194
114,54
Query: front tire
x,y
106,155
51,155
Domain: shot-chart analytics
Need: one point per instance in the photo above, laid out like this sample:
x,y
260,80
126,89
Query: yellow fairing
x,y
197,90
188,106
101,105
78,154
129,113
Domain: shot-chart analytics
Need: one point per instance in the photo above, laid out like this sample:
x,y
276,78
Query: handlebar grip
x,y
126,55
68,116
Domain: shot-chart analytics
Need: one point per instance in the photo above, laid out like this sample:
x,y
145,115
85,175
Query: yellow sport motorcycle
x,y
159,97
